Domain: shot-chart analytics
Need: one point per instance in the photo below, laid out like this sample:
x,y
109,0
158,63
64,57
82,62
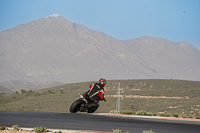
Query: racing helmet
x,y
102,81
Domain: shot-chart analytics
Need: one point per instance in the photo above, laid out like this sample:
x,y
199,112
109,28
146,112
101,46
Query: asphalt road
x,y
80,121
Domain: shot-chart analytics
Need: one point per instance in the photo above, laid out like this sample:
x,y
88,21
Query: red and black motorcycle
x,y
84,105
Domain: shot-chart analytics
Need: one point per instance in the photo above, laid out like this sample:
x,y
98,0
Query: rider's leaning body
x,y
96,91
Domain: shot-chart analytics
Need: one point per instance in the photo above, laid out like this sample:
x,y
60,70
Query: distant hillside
x,y
55,49
13,86
152,95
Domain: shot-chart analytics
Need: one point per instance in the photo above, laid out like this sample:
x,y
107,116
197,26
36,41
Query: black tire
x,y
92,110
75,107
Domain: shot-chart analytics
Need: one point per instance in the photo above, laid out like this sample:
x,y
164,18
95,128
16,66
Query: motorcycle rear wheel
x,y
75,107
92,110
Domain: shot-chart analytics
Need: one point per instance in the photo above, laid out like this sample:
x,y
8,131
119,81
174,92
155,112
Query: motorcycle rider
x,y
95,93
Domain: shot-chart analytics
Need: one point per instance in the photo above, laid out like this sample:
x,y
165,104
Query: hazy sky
x,y
175,20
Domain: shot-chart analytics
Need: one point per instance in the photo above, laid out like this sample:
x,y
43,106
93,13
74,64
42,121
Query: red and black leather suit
x,y
96,92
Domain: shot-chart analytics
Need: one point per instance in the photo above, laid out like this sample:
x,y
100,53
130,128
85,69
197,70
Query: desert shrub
x,y
30,92
16,92
154,114
148,131
183,116
114,112
142,112
39,129
127,112
175,115
162,114
61,91
49,91
116,131
2,127
198,117
149,114
23,91
167,115
58,132
36,94
16,127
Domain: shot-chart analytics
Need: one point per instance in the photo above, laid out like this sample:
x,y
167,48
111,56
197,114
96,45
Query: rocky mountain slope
x,y
55,49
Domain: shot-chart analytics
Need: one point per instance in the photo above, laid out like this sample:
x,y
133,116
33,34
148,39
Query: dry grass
x,y
153,95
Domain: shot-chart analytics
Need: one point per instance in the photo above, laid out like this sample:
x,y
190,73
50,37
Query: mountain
x,y
55,49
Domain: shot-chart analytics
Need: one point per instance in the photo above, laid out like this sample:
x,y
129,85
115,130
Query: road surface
x,y
95,122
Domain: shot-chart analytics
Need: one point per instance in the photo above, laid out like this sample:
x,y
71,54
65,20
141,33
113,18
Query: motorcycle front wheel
x,y
75,107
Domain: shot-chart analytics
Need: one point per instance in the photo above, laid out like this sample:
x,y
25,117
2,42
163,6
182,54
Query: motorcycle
x,y
84,105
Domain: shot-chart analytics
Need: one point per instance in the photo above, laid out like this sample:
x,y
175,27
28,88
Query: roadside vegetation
x,y
153,97
16,128
2,127
40,129
145,113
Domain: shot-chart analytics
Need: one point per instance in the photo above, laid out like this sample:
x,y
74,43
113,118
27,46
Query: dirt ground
x,y
29,131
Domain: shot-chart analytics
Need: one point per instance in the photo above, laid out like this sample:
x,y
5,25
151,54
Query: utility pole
x,y
118,104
